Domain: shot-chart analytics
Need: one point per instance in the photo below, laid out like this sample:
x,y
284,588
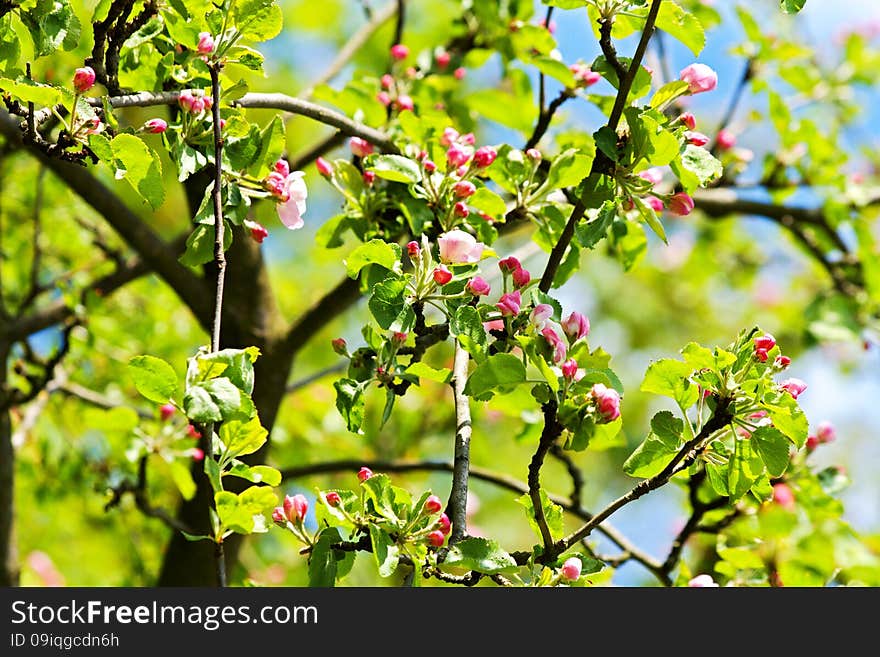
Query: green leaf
x,y
139,165
467,326
212,470
647,213
200,245
258,474
235,364
485,200
591,233
385,551
554,68
423,371
657,450
153,377
792,6
789,419
242,437
744,468
568,169
773,447
700,357
387,300
670,378
379,491
34,92
376,251
233,403
322,562
258,20
552,514
699,162
200,406
667,93
498,373
272,144
606,141
350,403
681,25
52,24
395,168
479,554
182,479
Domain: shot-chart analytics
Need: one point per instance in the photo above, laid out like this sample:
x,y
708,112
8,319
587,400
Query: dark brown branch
x,y
577,477
138,489
546,117
552,430
608,49
400,23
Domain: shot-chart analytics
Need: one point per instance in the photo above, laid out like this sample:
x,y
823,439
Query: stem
x,y
461,465
220,260
551,432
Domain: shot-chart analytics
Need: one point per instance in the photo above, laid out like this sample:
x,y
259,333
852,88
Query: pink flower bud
x,y
765,341
436,538
812,443
569,369
508,264
521,277
405,102
783,496
461,209
433,504
449,137
384,98
571,569
411,72
412,248
83,79
459,73
781,362
681,204
725,139
584,76
209,102
295,508
155,126
478,286
185,98
509,304
198,104
399,51
794,387
457,156
553,339
166,411
689,120
441,275
458,246
699,77
533,154
761,355
825,432
333,498
443,58
281,167
339,346
278,515
485,156
702,582
398,338
444,524
696,138
198,454
369,178
360,147
464,189
430,167
654,203
206,43
257,232
324,167
607,402
192,432
387,81
468,139
576,326
364,473
540,314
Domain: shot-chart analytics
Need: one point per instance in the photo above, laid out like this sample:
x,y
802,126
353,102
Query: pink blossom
x,y
468,139
360,147
281,166
508,264
540,314
441,275
433,504
166,411
296,507
430,167
399,51
696,138
494,325
405,102
781,362
387,81
761,355
569,369
155,126
654,175
457,155
607,401
293,200
444,524
681,204
702,582
364,473
509,304
576,326
485,156
278,515
552,337
449,137
793,386
443,58
478,286
333,498
384,98
198,454
257,231
206,43
458,246
369,178
412,248
765,341
324,167
461,210
436,538
699,77
464,189
584,76
192,432
654,203
459,73
83,79
783,496
725,139
825,432
534,154
521,277
571,569
689,120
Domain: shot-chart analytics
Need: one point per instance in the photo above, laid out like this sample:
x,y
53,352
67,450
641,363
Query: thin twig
x,y
315,376
457,504
552,430
724,123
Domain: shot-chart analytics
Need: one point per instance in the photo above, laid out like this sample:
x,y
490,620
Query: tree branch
x,y
457,504
552,430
